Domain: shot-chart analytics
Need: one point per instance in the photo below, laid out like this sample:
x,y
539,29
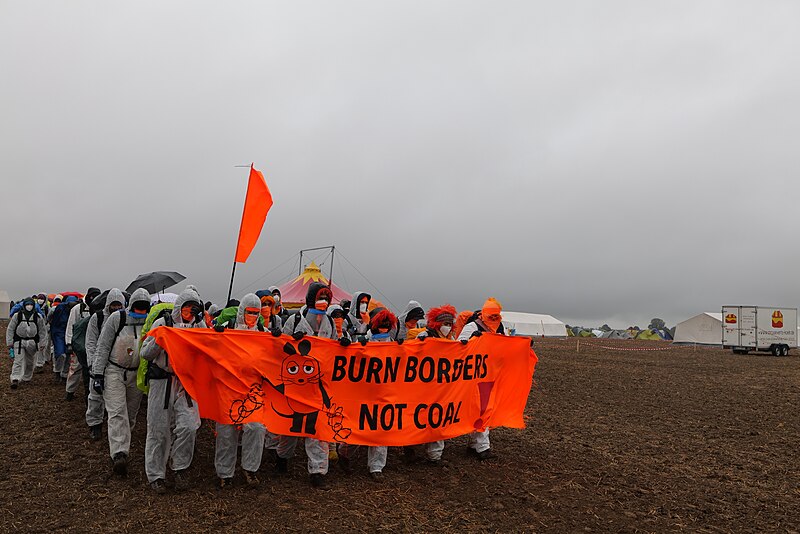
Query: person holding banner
x,y
336,313
382,328
407,321
440,326
313,321
272,321
169,404
357,318
253,434
488,319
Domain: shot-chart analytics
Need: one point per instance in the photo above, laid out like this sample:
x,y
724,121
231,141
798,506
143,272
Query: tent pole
x,y
330,279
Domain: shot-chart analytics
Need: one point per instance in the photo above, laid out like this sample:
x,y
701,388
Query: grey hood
x,y
354,313
140,295
248,301
114,295
412,304
187,295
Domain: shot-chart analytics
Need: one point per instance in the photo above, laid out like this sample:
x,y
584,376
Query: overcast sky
x,y
597,161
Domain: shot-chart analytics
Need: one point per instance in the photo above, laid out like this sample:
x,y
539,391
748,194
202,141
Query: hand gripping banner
x,y
377,394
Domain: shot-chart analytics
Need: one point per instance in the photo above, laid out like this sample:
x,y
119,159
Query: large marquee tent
x,y
703,329
533,324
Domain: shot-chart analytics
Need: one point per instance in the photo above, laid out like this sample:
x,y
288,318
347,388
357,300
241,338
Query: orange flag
x,y
256,206
378,394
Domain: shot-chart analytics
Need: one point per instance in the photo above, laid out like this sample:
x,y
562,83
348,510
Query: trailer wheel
x,y
785,350
776,350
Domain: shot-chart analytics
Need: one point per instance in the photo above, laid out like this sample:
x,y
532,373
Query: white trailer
x,y
759,328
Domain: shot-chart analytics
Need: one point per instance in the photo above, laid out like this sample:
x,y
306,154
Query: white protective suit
x,y
173,417
43,354
22,330
376,456
117,359
316,450
402,329
252,433
353,323
477,440
95,407
78,312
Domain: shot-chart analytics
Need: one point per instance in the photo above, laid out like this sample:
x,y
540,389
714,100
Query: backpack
x,y
227,318
79,339
144,373
33,319
475,317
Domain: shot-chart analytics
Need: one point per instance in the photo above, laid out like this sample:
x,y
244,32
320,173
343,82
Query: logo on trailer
x,y
730,318
777,319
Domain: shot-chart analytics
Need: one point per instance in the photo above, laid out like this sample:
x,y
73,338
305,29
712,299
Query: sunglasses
x,y
493,317
252,312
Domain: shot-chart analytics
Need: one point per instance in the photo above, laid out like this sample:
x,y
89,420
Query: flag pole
x,y
238,234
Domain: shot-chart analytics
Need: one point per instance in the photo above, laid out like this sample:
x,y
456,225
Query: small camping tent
x,y
649,335
704,329
533,324
5,304
616,334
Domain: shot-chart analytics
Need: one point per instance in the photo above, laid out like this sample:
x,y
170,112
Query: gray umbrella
x,y
155,281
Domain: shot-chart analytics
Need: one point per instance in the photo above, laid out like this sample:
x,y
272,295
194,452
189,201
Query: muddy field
x,y
618,440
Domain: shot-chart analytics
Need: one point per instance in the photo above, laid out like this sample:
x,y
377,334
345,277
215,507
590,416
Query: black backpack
x,y
31,319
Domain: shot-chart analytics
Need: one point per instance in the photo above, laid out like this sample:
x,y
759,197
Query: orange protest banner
x,y
378,394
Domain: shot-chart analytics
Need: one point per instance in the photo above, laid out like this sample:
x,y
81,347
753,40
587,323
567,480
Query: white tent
x,y
5,305
704,329
533,324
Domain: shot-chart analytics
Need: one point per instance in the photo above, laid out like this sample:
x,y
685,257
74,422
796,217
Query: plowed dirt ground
x,y
617,440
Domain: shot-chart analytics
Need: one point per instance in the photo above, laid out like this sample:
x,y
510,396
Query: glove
x,y
463,341
476,333
362,340
276,332
344,342
98,384
219,328
11,352
69,348
297,336
400,341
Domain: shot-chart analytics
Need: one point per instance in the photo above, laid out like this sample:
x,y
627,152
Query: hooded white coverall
x,y
252,433
117,359
173,418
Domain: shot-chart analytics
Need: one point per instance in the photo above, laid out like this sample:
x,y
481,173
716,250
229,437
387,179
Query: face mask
x,y
362,308
380,336
338,322
321,305
29,307
277,298
411,324
266,312
383,330
445,330
251,316
115,307
138,315
492,321
187,314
